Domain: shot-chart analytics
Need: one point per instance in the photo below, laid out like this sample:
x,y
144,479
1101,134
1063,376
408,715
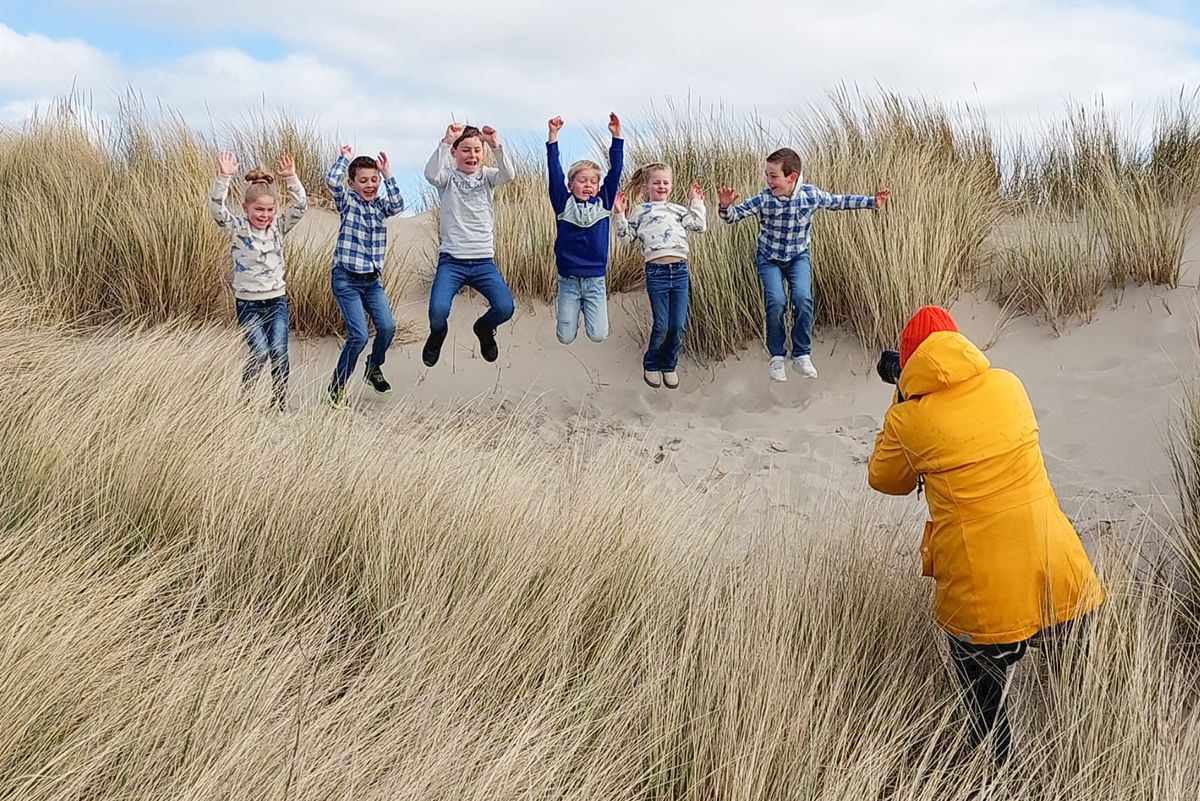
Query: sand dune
x,y
1103,392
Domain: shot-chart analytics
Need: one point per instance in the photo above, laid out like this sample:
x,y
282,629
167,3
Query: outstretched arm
x,y
825,200
506,170
625,231
730,210
889,470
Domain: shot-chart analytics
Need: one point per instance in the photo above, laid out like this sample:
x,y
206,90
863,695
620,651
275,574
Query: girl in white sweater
x,y
662,228
256,250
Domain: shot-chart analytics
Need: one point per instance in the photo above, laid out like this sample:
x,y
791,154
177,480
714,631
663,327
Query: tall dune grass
x,y
204,601
107,222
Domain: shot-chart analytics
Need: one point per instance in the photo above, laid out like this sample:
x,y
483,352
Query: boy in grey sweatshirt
x,y
466,188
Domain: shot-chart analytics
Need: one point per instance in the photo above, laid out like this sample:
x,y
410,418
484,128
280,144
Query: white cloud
x,y
392,77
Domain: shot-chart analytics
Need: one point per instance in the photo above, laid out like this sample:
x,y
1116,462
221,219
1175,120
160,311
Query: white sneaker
x,y
778,372
804,366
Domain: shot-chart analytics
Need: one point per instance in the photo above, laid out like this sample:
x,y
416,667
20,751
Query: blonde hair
x,y
259,184
641,176
580,166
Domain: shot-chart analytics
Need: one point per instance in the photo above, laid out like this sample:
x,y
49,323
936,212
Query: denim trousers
x,y
359,297
479,274
779,278
667,286
586,296
264,324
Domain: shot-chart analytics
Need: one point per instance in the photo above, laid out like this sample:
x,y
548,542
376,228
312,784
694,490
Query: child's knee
x,y
597,336
566,333
385,330
504,309
439,314
356,341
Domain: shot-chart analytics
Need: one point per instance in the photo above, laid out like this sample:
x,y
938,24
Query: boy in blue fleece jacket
x,y
582,204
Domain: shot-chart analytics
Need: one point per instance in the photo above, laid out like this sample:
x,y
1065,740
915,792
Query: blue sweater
x,y
581,244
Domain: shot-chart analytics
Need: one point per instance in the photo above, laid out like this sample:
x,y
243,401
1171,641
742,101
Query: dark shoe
x,y
374,377
487,341
336,398
433,348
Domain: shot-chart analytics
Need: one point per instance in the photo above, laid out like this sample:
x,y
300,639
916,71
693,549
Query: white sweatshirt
x,y
662,228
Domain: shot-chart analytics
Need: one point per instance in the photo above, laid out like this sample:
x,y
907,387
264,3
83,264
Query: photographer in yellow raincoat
x,y
1007,563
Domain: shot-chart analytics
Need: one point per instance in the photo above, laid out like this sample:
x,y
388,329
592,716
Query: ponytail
x,y
258,184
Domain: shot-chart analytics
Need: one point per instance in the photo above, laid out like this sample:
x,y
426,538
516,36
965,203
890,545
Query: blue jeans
x,y
479,274
264,324
360,296
667,286
586,295
797,275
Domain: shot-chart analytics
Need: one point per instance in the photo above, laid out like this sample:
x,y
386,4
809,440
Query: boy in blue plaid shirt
x,y
785,210
358,265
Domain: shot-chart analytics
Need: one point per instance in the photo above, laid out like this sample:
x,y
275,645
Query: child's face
x,y
365,183
260,212
468,155
658,185
585,185
781,185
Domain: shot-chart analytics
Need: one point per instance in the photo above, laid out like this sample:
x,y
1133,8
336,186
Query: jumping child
x,y
662,229
256,251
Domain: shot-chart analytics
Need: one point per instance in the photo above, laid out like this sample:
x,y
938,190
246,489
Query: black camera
x,y
889,366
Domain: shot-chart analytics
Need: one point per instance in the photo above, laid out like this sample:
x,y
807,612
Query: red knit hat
x,y
927,320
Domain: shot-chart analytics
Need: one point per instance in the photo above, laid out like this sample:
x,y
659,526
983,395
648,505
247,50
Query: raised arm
x,y
299,199
731,211
227,165
555,180
437,171
889,470
393,203
505,170
335,179
696,217
616,163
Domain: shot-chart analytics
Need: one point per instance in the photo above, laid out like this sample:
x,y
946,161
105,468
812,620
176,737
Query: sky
x,y
391,76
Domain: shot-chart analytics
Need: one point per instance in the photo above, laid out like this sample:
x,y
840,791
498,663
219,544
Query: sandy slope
x,y
1104,393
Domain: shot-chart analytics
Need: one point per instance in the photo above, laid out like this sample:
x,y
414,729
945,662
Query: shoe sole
x,y
669,385
650,384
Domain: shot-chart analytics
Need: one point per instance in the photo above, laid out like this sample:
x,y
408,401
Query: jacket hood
x,y
944,359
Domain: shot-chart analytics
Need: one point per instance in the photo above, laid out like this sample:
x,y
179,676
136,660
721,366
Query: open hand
x,y
696,192
347,150
882,196
490,137
614,125
382,161
555,125
227,163
619,203
453,131
727,197
286,166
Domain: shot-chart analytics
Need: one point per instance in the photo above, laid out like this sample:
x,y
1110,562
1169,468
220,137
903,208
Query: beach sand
x,y
1104,394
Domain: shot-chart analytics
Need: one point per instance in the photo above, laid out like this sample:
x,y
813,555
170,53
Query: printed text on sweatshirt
x,y
362,234
581,237
466,213
257,255
784,222
662,228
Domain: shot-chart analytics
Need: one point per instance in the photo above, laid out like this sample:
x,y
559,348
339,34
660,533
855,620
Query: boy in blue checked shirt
x,y
785,210
358,265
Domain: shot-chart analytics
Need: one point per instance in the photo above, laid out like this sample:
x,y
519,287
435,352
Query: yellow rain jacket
x,y
1007,562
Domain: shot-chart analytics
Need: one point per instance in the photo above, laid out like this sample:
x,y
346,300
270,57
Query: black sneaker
x,y
433,348
374,377
487,341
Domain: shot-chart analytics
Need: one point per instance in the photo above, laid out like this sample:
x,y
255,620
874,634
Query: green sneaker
x,y
336,398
